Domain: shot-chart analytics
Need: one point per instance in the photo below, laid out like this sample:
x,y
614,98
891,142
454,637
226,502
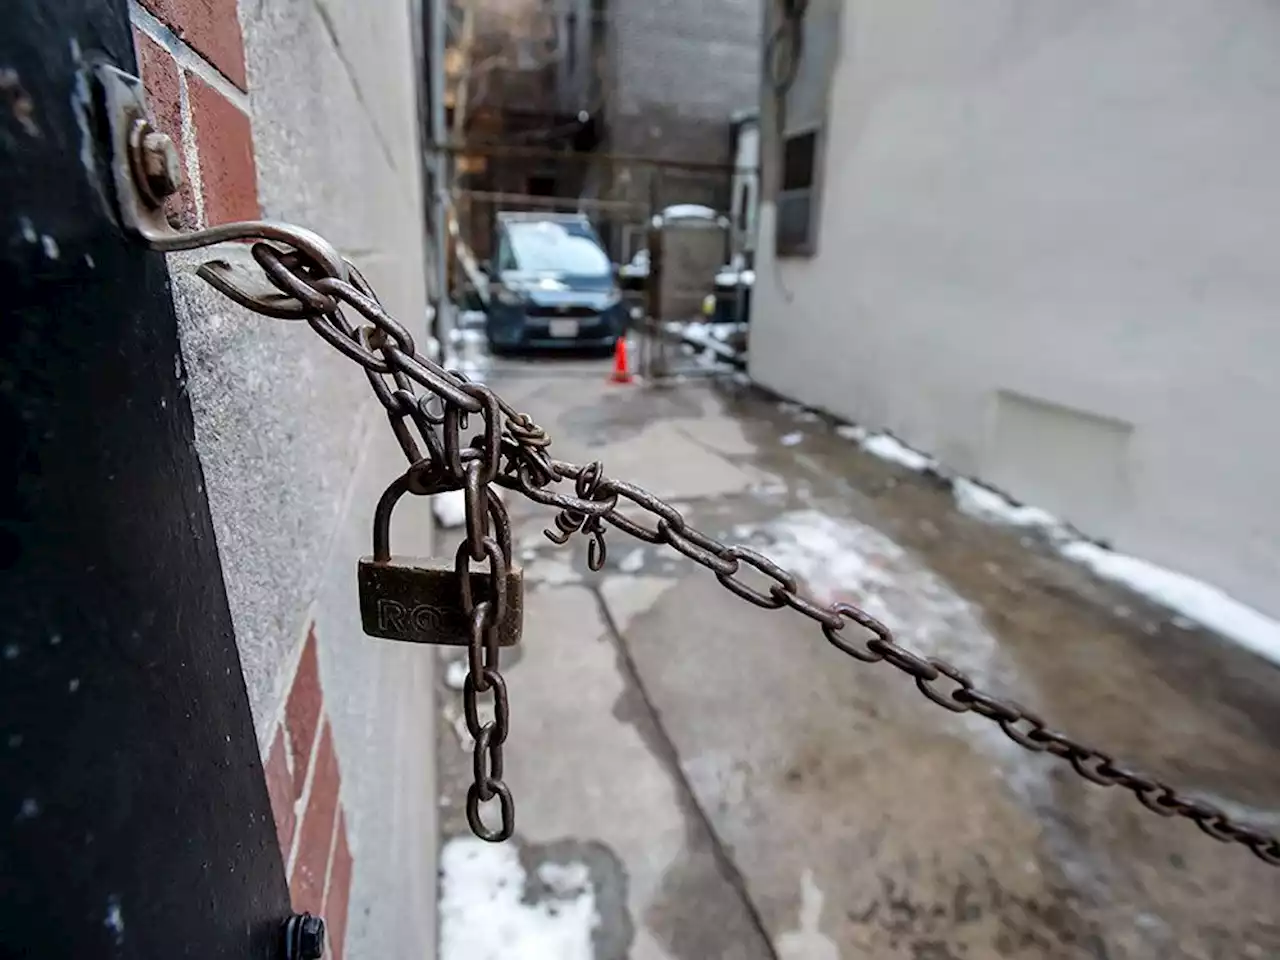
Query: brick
x,y
338,895
280,789
162,78
315,838
224,138
302,712
211,28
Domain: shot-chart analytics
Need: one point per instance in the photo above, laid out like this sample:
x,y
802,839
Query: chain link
x,y
510,451
488,540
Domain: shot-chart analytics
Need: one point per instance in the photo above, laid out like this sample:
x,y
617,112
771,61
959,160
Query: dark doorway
x,y
135,816
541,186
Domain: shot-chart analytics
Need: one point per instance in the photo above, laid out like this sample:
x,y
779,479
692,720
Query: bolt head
x,y
161,163
311,938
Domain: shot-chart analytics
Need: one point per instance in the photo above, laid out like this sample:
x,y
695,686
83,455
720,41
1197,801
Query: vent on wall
x,y
797,202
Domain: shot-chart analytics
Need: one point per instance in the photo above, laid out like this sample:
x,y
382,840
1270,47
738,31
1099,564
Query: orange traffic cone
x,y
620,372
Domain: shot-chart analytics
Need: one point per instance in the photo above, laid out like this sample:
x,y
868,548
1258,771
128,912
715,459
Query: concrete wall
x,y
679,69
1046,254
295,450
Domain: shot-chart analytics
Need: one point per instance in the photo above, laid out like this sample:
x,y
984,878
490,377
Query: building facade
x,y
308,113
1034,240
676,74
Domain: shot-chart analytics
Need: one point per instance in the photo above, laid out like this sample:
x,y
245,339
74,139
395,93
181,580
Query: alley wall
x,y
306,111
1044,254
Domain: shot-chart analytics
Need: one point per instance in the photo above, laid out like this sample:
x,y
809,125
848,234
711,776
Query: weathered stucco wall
x,y
295,452
1046,255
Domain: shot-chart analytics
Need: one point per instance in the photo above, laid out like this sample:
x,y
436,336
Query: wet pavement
x,y
699,778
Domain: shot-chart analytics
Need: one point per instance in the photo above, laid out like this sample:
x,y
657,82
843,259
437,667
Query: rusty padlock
x,y
419,600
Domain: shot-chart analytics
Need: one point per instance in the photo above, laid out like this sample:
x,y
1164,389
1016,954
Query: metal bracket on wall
x,y
145,168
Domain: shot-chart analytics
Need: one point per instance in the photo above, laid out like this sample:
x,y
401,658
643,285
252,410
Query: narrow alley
x,y
696,777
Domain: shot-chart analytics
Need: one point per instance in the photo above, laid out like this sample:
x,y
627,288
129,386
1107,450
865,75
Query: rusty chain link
x,y
483,505
510,451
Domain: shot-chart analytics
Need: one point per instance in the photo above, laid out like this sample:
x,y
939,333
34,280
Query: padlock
x,y
420,601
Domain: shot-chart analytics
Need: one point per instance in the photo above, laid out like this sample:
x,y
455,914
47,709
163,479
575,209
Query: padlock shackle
x,y
382,518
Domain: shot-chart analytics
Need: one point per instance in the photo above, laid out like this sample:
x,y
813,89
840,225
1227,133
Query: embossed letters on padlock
x,y
420,601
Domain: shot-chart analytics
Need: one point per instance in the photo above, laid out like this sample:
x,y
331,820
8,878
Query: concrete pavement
x,y
695,777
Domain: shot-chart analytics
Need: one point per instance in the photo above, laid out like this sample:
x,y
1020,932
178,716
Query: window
x,y
540,185
561,249
506,259
797,200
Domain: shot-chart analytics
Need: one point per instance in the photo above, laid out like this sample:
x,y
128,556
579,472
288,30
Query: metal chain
x,y
510,451
482,505
877,644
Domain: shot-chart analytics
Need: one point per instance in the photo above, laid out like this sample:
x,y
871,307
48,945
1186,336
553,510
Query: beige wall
x,y
295,451
1047,255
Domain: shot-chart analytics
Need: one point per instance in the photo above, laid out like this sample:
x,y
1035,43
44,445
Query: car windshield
x,y
567,249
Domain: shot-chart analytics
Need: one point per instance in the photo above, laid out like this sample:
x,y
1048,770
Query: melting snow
x,y
808,942
845,559
468,352
887,447
633,562
1195,601
1199,601
484,914
1192,600
890,448
450,509
986,504
455,674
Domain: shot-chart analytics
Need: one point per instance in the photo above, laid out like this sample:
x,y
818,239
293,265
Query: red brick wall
x,y
191,59
304,781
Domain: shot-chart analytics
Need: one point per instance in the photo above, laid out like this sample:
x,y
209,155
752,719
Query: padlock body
x,y
420,601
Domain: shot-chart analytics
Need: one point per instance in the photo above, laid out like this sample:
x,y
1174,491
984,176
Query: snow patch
x,y
888,447
455,674
839,559
484,914
1194,599
792,439
633,562
986,504
808,942
688,211
468,352
450,508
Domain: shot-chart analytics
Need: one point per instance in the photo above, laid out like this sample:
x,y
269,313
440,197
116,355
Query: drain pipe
x,y
443,321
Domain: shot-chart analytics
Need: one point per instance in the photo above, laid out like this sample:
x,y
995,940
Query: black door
x,y
134,813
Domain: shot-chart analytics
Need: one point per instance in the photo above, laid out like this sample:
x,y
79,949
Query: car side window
x,y
506,258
